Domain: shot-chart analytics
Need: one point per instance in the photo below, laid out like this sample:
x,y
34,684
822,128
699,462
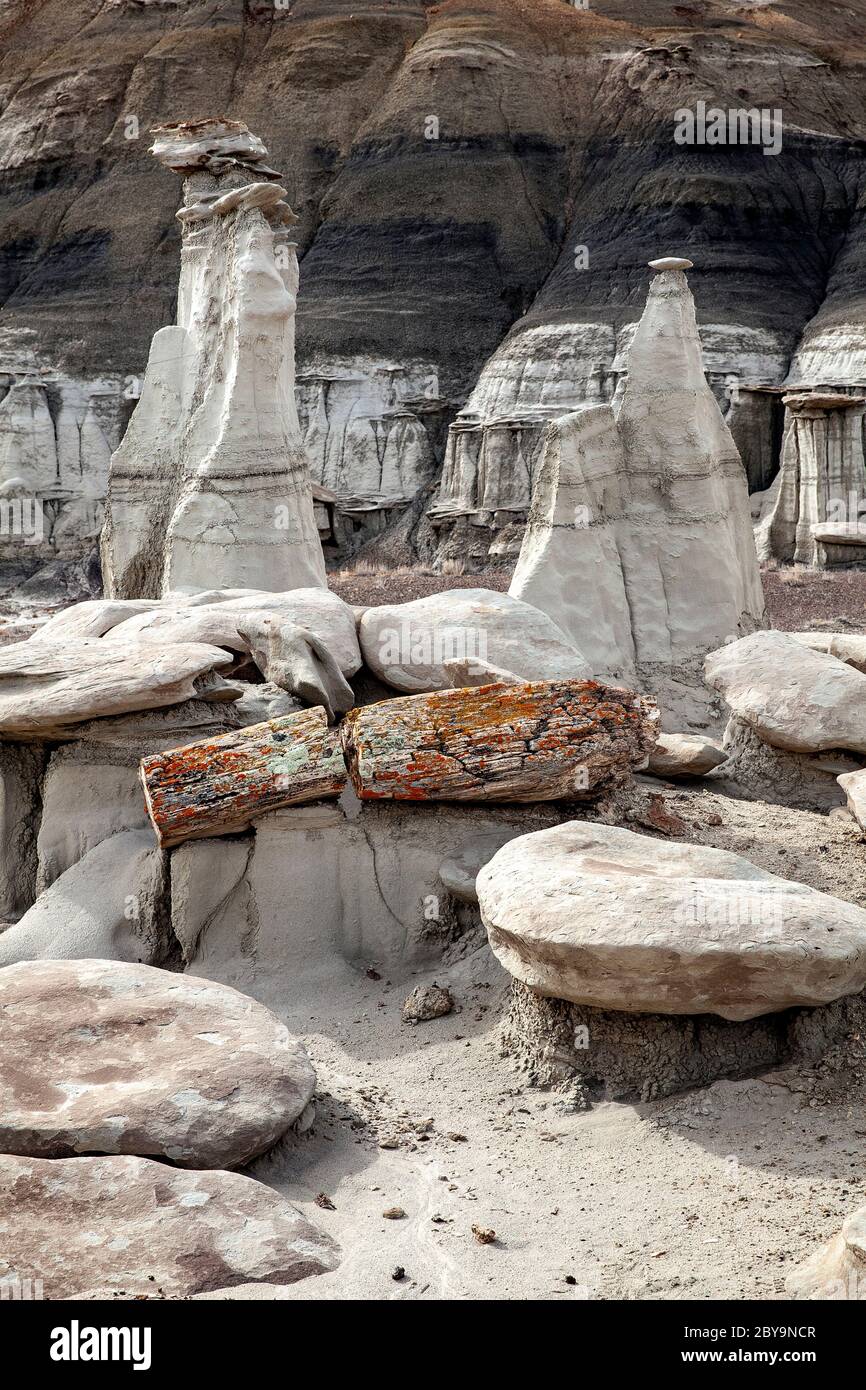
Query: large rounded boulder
x,y
106,1057
410,646
601,916
129,1228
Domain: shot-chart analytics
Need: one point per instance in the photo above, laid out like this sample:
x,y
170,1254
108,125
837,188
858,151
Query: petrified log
x,y
534,741
537,741
218,786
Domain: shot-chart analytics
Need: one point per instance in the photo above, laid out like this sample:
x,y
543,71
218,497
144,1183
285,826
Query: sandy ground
x,y
715,1193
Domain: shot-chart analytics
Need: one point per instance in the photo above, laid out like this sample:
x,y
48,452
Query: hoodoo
x,y
210,486
639,542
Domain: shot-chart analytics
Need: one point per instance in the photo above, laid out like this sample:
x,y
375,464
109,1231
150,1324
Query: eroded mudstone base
x,y
627,1057
804,781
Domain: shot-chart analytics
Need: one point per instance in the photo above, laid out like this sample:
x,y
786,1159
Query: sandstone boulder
x,y
598,915
850,647
684,755
853,785
411,645
837,1271
98,616
472,671
295,659
794,698
104,1057
46,688
147,1228
94,617
180,619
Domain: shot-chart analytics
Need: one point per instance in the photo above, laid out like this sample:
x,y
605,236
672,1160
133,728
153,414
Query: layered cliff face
x,y
479,186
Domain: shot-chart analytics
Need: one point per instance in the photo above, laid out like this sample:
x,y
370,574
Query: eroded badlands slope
x,y
445,162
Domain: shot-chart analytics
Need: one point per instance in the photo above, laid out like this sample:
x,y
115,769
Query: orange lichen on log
x,y
218,786
534,741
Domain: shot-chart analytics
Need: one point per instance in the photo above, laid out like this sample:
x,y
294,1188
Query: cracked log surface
x,y
217,786
535,741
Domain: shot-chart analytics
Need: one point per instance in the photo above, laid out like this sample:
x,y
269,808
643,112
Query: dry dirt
x,y
797,599
716,1193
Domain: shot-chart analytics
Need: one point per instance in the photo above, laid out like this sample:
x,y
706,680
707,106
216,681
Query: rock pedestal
x,y
210,485
796,699
601,916
603,1054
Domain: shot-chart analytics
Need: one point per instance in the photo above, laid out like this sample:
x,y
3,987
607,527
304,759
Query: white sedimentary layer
x,y
815,511
56,437
833,355
494,446
210,486
747,354
362,424
639,542
544,368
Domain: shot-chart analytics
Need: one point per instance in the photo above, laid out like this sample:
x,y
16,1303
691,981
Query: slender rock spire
x,y
210,486
639,543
